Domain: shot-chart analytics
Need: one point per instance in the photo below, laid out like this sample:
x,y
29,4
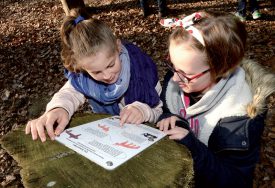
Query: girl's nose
x,y
106,75
176,77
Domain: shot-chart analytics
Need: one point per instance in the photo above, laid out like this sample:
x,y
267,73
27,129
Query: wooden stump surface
x,y
50,164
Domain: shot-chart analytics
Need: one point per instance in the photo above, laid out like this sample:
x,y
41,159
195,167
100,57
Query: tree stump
x,y
51,164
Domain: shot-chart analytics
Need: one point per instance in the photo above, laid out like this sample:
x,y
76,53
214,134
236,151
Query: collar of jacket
x,y
262,84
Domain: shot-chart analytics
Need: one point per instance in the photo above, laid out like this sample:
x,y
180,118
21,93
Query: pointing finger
x,y
62,123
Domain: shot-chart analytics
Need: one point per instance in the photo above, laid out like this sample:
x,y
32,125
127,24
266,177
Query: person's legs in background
x,y
241,10
145,7
254,9
162,8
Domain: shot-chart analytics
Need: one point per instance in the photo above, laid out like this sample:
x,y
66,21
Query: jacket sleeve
x,y
149,114
68,98
230,166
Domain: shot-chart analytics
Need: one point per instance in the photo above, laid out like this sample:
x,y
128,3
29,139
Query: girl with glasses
x,y
214,98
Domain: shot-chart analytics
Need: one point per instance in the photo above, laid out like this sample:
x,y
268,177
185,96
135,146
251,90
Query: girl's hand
x,y
164,124
177,133
131,114
37,126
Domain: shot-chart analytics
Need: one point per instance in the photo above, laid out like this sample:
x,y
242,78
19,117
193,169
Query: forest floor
x,y
32,71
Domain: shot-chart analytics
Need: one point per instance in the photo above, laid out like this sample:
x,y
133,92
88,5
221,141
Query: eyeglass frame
x,y
185,79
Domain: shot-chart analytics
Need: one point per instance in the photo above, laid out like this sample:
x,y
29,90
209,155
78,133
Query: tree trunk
x,y
69,4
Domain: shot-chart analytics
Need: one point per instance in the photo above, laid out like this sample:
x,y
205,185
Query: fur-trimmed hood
x,y
262,84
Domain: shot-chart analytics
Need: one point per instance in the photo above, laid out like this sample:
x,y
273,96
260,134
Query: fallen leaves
x,y
32,71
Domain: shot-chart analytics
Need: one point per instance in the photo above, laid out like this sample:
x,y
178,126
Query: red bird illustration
x,y
127,145
104,127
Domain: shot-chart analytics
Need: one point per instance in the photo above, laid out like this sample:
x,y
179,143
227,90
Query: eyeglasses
x,y
182,77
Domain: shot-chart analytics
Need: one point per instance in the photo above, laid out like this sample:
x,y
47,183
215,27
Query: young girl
x,y
214,98
116,78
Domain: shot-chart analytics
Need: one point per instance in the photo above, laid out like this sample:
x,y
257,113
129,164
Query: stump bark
x,y
51,164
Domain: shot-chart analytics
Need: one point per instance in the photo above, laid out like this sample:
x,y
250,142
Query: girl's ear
x,y
119,45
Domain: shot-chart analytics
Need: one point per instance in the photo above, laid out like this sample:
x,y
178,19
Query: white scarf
x,y
228,97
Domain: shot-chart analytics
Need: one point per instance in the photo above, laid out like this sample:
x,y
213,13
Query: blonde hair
x,y
224,36
84,38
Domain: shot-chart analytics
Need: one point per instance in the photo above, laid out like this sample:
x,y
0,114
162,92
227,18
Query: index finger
x,y
123,117
62,123
49,127
173,120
